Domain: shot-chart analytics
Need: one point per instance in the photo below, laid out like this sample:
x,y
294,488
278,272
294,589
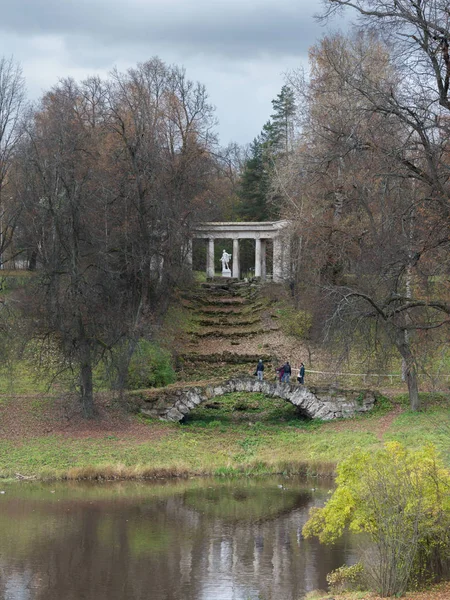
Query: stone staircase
x,y
230,326
226,324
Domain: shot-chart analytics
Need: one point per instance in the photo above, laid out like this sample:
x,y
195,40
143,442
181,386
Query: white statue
x,y
225,258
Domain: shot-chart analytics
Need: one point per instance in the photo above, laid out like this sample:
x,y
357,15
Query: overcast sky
x,y
238,48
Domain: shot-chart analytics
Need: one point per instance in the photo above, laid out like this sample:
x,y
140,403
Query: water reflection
x,y
190,540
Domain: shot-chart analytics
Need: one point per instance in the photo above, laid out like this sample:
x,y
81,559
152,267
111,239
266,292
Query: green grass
x,y
192,451
266,437
429,400
240,434
292,321
200,276
12,280
241,407
22,378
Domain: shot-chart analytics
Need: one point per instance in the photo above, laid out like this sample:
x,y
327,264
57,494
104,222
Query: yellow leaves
x,y
328,523
391,488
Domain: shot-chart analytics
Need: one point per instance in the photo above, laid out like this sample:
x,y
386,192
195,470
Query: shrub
x,y
400,501
150,366
241,405
346,579
295,322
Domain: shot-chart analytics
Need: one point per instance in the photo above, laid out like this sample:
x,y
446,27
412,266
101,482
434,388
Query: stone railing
x,y
326,403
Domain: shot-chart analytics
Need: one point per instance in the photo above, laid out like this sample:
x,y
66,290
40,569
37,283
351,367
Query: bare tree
x,y
75,289
419,34
113,175
12,107
374,194
161,131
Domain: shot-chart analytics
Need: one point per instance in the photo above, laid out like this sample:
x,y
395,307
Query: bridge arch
x,y
325,403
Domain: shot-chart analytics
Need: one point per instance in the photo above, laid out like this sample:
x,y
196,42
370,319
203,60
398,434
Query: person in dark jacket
x,y
260,369
301,374
286,372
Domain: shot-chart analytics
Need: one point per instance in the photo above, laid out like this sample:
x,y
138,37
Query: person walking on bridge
x,y
260,370
301,374
279,373
286,372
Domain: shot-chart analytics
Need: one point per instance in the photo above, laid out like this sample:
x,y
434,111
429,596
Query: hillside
x,y
230,326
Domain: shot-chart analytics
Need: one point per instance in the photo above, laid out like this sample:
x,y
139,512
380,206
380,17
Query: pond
x,y
195,539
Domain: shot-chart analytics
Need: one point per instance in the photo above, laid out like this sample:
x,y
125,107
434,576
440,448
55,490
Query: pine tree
x,y
255,185
274,142
282,124
269,139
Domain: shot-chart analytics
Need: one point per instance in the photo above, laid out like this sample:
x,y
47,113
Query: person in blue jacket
x,y
260,369
286,372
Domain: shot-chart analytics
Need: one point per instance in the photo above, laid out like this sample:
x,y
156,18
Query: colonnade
x,y
261,232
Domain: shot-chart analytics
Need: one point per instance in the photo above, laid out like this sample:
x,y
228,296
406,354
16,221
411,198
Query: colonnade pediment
x,y
239,230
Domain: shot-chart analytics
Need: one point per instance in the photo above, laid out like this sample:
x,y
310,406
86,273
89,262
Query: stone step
x,y
227,321
223,289
226,357
218,292
244,307
224,284
208,311
224,301
216,303
227,333
229,282
213,306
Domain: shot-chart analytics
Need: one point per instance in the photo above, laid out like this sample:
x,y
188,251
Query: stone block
x,y
173,414
182,408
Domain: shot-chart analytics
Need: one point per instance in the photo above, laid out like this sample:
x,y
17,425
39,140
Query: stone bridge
x,y
174,403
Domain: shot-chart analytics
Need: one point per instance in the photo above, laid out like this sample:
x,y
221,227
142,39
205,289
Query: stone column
x,y
189,254
263,260
210,267
236,268
286,258
277,253
257,257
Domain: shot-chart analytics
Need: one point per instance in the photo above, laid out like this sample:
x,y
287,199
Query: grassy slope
x,y
266,437
242,434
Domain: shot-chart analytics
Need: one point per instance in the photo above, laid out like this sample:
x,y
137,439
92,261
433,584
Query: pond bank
x,y
440,591
47,438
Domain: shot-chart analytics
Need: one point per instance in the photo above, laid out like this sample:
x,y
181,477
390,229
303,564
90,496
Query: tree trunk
x,y
413,389
410,371
32,261
87,388
124,362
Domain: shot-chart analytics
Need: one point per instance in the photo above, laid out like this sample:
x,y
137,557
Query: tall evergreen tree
x,y
258,202
254,186
282,124
269,139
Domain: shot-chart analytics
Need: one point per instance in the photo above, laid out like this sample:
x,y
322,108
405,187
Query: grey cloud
x,y
243,29
237,48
